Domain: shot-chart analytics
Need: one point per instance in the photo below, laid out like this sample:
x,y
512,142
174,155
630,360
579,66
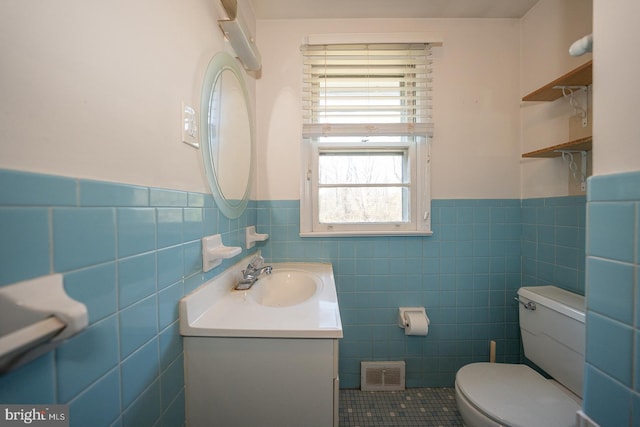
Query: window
x,y
366,126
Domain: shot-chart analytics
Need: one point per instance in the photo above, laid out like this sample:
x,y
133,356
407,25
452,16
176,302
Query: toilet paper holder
x,y
402,320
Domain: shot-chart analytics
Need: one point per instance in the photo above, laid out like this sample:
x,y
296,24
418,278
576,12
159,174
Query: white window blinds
x,y
367,90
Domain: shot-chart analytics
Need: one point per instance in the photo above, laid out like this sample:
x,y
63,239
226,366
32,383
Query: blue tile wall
x,y
466,275
612,374
129,253
553,242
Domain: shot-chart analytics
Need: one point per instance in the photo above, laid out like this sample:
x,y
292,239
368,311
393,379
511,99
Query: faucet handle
x,y
256,262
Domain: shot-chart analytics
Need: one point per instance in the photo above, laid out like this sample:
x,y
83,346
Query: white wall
x,y
93,89
548,30
476,149
616,135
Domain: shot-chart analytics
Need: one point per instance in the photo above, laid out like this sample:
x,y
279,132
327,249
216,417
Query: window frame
x,y
420,190
406,152
417,145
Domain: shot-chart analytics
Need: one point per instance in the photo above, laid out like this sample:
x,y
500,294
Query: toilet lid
x,y
516,395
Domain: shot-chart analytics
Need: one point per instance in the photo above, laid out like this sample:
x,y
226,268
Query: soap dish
x,y
213,252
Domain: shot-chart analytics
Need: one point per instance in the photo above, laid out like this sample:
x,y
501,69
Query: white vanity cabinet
x,y
253,361
246,382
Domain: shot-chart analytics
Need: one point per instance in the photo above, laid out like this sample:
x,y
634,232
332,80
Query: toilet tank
x,y
553,334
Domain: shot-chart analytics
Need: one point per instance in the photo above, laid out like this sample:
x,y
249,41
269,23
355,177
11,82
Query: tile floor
x,y
412,407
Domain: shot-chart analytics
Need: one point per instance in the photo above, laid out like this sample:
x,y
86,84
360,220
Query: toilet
x,y
515,395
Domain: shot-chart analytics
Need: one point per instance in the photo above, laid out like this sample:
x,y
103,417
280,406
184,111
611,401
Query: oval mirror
x,y
227,134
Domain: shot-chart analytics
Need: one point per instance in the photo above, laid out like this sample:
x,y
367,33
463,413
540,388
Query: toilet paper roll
x,y
417,323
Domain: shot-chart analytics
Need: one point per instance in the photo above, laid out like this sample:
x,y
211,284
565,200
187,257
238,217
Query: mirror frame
x,y
221,62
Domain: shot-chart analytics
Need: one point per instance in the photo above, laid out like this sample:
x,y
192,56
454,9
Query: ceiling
x,y
334,9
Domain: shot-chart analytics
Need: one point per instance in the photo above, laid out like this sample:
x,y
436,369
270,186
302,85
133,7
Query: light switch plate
x,y
190,134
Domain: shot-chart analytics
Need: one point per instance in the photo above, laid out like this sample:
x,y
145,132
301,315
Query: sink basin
x,y
284,288
298,300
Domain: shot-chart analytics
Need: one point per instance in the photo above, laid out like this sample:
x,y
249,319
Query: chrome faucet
x,y
251,274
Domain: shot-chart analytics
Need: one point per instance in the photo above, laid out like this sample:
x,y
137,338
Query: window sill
x,y
364,233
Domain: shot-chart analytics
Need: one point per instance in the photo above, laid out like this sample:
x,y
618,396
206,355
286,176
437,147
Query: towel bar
x,y
30,336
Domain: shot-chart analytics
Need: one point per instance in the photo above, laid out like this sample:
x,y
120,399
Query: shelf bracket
x,y
568,93
567,155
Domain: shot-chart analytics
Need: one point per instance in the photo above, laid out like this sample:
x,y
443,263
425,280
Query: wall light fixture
x,y
241,40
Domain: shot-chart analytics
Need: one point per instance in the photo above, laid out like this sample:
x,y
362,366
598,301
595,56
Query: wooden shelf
x,y
582,144
581,76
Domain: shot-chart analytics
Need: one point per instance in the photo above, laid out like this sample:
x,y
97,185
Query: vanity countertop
x,y
216,310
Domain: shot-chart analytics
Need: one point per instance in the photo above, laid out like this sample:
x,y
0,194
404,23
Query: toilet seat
x,y
516,395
